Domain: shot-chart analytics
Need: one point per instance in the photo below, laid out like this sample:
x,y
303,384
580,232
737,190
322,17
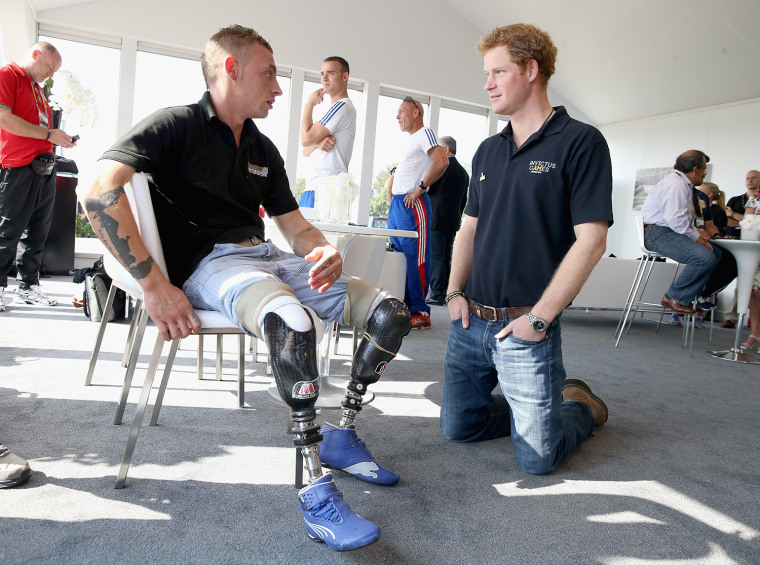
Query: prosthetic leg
x,y
386,325
290,333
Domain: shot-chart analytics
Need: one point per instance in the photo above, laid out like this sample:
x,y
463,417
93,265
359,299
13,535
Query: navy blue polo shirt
x,y
205,190
527,202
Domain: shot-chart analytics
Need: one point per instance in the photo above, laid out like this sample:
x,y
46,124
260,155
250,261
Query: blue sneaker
x,y
329,519
342,449
706,302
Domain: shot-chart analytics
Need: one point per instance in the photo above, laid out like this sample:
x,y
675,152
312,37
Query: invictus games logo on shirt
x,y
258,171
541,167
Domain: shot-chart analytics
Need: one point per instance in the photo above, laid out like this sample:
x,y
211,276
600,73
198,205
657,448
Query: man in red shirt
x,y
27,177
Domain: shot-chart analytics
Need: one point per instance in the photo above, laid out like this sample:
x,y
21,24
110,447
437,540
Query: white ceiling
x,y
625,60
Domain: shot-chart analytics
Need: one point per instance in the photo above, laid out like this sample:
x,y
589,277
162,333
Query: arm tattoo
x,y
4,107
107,228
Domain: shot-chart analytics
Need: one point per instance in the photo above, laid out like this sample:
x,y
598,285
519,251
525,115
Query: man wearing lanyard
x,y
28,177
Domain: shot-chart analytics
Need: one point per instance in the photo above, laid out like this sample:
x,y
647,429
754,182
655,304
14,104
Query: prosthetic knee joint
x,y
386,326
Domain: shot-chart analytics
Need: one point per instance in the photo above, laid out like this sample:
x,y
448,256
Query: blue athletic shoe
x,y
329,519
342,449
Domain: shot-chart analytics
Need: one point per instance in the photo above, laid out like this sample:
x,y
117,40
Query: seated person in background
x,y
209,170
736,205
705,220
675,226
717,205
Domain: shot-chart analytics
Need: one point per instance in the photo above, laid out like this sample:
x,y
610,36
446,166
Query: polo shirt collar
x,y
209,113
558,122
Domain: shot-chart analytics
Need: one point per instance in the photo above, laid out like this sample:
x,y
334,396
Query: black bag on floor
x,y
97,284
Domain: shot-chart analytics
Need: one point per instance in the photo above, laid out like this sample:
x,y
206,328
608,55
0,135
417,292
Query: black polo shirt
x,y
527,202
205,190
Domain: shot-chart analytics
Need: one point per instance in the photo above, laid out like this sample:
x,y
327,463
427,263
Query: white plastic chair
x,y
363,257
138,195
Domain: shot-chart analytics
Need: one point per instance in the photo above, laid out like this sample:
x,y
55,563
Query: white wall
x,y
18,29
729,134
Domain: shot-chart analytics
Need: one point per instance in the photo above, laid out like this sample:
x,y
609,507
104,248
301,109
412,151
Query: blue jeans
x,y
699,262
225,273
531,375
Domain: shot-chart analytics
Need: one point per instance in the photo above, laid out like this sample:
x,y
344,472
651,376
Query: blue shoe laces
x,y
326,510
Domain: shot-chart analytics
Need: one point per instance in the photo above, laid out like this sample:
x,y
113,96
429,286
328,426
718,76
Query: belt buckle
x,y
489,308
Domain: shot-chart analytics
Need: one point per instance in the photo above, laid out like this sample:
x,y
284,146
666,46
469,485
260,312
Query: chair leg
x,y
241,370
200,357
629,302
219,352
99,338
140,413
164,380
131,367
131,334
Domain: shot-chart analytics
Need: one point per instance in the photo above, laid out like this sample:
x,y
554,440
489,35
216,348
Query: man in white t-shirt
x,y
330,141
422,163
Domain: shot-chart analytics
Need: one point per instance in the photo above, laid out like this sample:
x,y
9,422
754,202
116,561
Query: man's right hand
x,y
316,97
458,309
171,311
704,239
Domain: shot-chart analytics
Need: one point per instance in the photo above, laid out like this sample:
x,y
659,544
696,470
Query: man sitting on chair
x,y
674,225
209,170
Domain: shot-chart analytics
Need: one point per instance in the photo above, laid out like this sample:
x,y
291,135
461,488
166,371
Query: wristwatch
x,y
423,187
537,324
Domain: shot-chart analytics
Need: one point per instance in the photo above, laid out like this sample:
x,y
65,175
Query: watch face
x,y
537,324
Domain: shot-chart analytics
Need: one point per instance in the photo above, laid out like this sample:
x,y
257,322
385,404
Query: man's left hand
x,y
328,267
522,329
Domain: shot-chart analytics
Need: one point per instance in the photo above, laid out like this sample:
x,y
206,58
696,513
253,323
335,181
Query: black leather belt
x,y
493,314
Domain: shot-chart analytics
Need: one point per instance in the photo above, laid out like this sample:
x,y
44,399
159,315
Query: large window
x,y
96,68
275,125
162,81
390,140
466,128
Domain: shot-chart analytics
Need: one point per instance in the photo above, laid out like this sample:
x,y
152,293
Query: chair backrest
x,y
363,257
640,230
138,196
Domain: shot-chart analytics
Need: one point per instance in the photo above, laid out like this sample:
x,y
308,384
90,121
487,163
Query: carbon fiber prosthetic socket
x,y
294,366
387,326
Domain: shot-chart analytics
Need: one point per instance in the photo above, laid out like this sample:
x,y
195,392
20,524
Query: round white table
x,y
747,255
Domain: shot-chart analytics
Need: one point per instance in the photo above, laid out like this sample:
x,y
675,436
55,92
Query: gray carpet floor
x,y
672,477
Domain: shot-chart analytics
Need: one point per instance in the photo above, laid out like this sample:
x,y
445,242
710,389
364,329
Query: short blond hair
x,y
524,42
